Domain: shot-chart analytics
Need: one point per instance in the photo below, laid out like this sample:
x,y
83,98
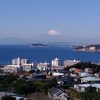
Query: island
x,y
38,45
88,48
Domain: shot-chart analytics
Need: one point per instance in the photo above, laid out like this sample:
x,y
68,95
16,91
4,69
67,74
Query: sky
x,y
50,20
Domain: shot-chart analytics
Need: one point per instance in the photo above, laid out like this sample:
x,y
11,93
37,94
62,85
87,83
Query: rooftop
x,y
90,79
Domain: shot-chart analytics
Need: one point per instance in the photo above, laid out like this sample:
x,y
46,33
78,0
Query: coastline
x,y
86,51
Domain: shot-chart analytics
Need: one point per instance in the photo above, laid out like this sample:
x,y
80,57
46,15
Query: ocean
x,y
42,54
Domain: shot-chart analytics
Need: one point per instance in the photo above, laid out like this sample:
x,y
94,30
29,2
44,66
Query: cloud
x,y
54,32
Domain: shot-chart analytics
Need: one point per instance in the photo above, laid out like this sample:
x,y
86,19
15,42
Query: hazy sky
x,y
50,20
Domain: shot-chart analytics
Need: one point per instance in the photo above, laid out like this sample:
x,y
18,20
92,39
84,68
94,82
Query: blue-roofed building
x,y
82,87
90,79
57,94
87,82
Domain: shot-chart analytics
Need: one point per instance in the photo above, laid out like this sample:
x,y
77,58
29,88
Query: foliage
x,y
90,94
3,87
9,79
43,86
73,93
22,87
8,98
65,87
6,82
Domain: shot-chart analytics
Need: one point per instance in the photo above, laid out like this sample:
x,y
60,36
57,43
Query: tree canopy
x,y
90,94
8,98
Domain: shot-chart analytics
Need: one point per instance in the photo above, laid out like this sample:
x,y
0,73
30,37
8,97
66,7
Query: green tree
x,y
6,82
23,87
8,98
90,94
43,86
73,93
9,79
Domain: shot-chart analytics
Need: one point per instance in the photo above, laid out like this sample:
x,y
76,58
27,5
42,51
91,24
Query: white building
x,y
57,74
90,79
56,62
18,65
19,61
82,87
88,70
12,68
68,63
27,67
93,48
43,66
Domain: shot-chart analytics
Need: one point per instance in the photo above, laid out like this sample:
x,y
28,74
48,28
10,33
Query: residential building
x,y
19,61
57,74
43,66
56,62
68,63
57,67
90,80
27,67
65,80
82,87
88,70
12,68
19,65
57,94
83,74
92,48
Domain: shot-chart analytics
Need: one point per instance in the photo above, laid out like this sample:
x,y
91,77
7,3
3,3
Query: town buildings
x,y
88,82
19,61
56,62
43,66
77,77
18,65
68,63
12,68
57,94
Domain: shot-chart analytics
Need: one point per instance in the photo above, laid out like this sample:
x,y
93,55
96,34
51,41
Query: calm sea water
x,y
9,52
